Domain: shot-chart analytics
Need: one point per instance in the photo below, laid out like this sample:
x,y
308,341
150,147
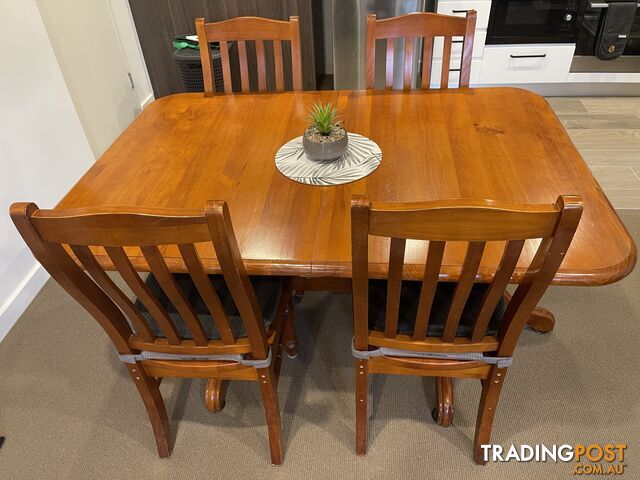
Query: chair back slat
x,y
467,53
426,26
507,265
446,62
205,58
370,58
244,66
207,292
427,54
408,62
143,293
262,66
476,222
91,265
278,66
463,288
394,285
174,293
428,288
226,67
296,53
389,65
255,30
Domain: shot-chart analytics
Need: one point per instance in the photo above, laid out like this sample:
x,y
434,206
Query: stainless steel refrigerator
x,y
349,25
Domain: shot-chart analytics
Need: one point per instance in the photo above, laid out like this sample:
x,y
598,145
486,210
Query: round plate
x,y
361,158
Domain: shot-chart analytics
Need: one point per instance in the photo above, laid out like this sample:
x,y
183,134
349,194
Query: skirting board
x,y
21,297
150,98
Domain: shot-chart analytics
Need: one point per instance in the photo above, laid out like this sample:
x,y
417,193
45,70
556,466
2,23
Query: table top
x,y
496,143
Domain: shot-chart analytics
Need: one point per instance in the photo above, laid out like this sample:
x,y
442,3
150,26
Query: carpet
x,y
69,410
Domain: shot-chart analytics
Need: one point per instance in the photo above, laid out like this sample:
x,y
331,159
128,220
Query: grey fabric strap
x,y
501,362
146,355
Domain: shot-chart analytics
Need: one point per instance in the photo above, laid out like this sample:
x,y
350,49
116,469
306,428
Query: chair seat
x,y
267,290
410,296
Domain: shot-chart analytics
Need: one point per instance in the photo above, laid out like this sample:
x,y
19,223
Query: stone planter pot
x,y
327,149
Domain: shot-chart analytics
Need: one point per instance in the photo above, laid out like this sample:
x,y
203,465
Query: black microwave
x,y
533,21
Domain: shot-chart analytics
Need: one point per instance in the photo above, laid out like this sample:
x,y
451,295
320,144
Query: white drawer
x,y
454,77
483,7
526,63
456,48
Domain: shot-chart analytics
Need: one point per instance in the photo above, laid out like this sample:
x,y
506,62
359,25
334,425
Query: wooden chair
x,y
259,30
427,26
222,328
447,330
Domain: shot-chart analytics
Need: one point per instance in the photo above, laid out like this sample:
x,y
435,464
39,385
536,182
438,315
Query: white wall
x,y
43,148
91,56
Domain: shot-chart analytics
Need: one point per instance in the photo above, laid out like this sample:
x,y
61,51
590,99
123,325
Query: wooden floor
x,y
607,133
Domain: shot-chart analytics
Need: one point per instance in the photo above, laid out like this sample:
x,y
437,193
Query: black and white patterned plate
x,y
361,158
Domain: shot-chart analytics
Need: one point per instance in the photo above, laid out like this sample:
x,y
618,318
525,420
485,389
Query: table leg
x,y
541,320
214,395
289,339
443,413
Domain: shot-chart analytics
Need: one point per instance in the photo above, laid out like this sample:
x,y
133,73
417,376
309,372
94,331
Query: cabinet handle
x,y
459,11
541,55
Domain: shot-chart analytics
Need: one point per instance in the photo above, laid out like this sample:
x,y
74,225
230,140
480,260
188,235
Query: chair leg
x,y
443,413
289,339
214,394
272,411
149,390
277,365
362,390
491,388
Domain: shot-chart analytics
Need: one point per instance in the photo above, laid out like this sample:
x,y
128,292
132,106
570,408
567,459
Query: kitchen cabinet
x,y
502,64
537,63
458,7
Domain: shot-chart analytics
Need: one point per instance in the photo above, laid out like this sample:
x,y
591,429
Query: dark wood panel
x,y
318,37
158,21
155,31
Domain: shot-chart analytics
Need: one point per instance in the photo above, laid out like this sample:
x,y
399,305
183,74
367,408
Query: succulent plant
x,y
323,117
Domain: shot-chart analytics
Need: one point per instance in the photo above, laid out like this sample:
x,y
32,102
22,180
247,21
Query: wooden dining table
x,y
504,144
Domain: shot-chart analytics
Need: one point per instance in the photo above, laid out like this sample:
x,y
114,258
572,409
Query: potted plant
x,y
325,139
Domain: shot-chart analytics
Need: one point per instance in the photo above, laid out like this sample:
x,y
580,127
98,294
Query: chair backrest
x,y
420,25
254,29
53,234
476,222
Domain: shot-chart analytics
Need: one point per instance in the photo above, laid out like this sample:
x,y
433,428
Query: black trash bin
x,y
190,68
